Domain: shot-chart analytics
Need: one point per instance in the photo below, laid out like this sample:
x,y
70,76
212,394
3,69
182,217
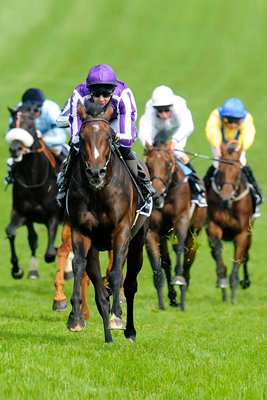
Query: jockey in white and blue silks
x,y
47,112
103,87
167,117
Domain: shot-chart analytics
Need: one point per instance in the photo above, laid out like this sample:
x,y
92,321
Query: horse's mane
x,y
92,108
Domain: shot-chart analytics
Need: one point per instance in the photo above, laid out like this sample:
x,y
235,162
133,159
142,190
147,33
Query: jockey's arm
x,y
213,129
124,125
247,133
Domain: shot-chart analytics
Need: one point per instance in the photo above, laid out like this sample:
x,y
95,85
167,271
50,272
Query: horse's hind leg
x,y
246,282
16,221
85,284
152,247
33,242
51,251
134,265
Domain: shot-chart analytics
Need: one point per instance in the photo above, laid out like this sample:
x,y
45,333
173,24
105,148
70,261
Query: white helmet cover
x,y
162,96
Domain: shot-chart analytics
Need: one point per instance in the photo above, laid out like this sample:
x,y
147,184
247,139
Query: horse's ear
x,y
11,110
81,111
108,113
147,149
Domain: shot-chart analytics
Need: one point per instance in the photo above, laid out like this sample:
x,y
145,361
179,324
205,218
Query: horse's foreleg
x,y
16,221
120,249
33,242
81,245
242,244
101,293
178,279
152,247
166,265
216,252
51,251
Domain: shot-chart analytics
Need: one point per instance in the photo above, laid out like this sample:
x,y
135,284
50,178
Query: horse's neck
x,y
32,168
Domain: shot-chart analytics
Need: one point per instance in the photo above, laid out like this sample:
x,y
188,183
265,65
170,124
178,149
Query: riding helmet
x,y
101,74
234,107
34,96
162,96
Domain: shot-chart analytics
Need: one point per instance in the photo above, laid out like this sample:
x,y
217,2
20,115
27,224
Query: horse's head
x,y
161,165
95,142
22,131
229,174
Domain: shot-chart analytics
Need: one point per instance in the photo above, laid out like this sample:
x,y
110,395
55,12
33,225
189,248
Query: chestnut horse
x,y
230,210
102,202
34,188
172,217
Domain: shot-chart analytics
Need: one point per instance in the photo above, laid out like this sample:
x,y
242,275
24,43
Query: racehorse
x,y
34,188
102,202
173,217
230,210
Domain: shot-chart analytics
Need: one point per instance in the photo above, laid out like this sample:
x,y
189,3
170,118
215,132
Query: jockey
x,y
103,87
231,121
168,117
46,114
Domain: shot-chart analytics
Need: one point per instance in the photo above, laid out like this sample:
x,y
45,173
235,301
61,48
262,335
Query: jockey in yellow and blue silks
x,y
232,121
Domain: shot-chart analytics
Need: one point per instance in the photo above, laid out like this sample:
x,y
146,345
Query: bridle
x,y
83,157
235,195
166,182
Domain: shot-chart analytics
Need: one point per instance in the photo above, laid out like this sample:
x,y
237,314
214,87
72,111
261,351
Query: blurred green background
x,y
207,51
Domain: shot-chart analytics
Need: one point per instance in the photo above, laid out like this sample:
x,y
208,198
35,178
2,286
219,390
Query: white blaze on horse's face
x,y
96,152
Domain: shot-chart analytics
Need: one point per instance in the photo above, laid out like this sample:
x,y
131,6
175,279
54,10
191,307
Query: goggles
x,y
162,109
104,93
232,120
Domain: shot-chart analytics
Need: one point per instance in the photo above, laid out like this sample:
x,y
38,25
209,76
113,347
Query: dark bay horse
x,y
230,211
172,217
34,189
102,202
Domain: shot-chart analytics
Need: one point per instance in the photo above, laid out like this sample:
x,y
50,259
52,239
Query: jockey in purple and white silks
x,y
103,87
167,117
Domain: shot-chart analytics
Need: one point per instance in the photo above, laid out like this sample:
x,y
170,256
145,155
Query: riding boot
x,y
139,175
62,156
256,191
64,176
207,178
197,187
11,168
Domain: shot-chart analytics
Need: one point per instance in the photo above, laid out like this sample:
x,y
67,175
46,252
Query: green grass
x,y
206,51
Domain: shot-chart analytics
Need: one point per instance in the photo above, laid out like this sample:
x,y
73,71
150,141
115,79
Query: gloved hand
x,y
116,137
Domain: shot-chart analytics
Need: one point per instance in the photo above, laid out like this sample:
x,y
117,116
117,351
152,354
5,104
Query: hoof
x,y
76,324
173,303
245,283
17,274
60,305
178,280
49,258
68,275
222,283
116,323
130,335
33,274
